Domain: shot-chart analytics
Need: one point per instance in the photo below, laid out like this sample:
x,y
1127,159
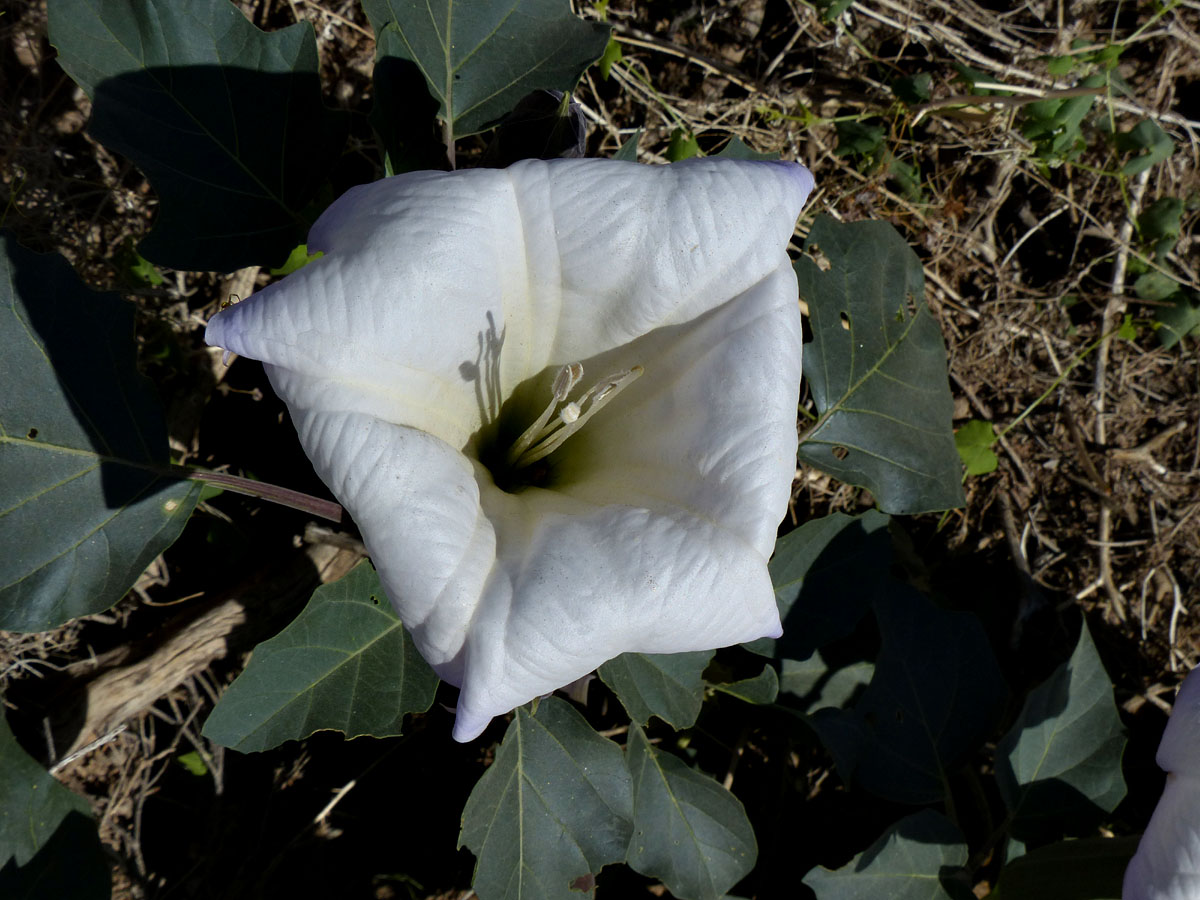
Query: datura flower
x,y
1167,863
559,401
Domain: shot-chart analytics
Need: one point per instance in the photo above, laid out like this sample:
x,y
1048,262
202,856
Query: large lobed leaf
x,y
554,807
225,120
762,688
345,664
49,846
688,831
71,865
877,370
84,503
921,857
935,692
32,803
667,685
1084,869
1060,763
480,58
825,574
814,681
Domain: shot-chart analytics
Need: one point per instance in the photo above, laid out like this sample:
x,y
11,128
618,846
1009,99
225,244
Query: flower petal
x,y
442,295
709,428
643,247
1179,750
538,265
1167,863
404,316
586,584
511,596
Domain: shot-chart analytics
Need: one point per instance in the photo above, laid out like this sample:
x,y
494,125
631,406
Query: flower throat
x,y
523,463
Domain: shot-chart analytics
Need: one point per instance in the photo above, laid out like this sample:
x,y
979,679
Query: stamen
x,y
572,417
566,379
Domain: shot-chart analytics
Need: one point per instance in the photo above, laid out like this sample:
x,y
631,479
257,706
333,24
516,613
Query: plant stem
x,y
326,509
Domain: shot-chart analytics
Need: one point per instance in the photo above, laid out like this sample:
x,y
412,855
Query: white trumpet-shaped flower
x,y
1167,863
559,401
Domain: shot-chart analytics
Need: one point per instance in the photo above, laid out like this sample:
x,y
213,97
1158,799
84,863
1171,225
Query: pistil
x,y
549,431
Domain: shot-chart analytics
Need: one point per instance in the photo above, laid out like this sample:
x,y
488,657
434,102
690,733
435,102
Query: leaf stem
x,y
326,509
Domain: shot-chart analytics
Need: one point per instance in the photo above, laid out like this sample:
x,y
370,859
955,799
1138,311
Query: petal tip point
x,y
467,726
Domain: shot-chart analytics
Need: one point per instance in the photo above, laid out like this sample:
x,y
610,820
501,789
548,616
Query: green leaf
x,y
921,857
667,685
404,113
1161,219
1128,331
84,502
974,440
831,10
969,77
907,176
688,831
225,120
1179,319
555,806
913,89
71,865
762,688
858,139
1059,65
1155,286
825,574
1013,849
611,56
736,148
544,125
480,58
1109,55
1177,312
1054,124
1059,766
297,259
934,696
628,150
345,664
1085,869
136,270
32,803
193,762
814,681
877,370
683,145
1145,136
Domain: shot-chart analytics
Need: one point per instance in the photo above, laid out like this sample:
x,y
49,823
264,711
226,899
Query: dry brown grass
x,y
1099,483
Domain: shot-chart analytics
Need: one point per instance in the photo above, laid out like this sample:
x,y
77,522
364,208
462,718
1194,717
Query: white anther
x,y
566,379
548,432
573,417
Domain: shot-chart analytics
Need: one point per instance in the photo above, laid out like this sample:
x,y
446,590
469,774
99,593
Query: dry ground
x,y
1095,501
